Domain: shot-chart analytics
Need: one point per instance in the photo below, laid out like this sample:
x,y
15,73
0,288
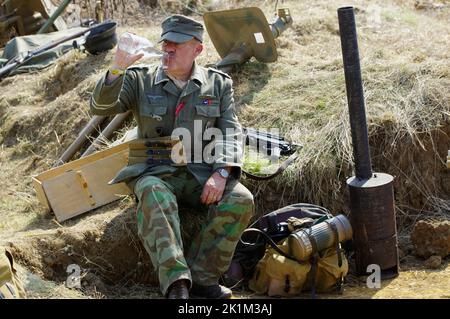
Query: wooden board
x,y
82,185
40,193
82,161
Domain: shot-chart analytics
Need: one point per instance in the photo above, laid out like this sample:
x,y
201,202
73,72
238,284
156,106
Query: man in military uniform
x,y
180,95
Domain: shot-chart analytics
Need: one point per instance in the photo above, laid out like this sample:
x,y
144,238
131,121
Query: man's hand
x,y
213,189
123,59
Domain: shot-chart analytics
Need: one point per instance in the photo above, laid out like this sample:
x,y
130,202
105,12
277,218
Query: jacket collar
x,y
198,74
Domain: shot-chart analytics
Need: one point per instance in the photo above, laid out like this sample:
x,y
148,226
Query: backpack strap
x,y
314,266
336,240
269,241
340,282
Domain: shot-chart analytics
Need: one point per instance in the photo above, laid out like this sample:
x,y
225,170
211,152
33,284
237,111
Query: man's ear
x,y
198,48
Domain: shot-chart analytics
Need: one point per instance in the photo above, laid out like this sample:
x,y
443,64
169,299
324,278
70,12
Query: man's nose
x,y
169,46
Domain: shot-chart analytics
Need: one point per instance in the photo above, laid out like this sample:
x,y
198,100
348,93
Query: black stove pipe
x,y
372,207
355,94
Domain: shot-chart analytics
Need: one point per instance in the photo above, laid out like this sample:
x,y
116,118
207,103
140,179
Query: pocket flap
x,y
160,110
153,110
212,110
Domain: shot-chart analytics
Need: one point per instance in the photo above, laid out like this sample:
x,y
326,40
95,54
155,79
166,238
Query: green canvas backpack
x,y
290,250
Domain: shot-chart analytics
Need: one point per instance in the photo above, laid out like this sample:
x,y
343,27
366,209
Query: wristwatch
x,y
223,172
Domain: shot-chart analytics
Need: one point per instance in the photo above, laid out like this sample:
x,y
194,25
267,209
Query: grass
x,y
405,83
257,163
18,210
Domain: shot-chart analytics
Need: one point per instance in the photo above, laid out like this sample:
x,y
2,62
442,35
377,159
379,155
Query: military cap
x,y
179,29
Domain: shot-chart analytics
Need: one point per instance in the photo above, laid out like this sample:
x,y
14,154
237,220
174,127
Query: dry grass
x,y
405,67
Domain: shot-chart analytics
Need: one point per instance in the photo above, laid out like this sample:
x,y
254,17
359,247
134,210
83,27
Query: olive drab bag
x,y
329,273
268,262
279,276
10,285
273,226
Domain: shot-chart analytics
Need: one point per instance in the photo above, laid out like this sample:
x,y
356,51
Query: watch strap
x,y
117,71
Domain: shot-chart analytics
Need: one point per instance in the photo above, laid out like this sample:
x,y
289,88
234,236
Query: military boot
x,y
211,292
179,290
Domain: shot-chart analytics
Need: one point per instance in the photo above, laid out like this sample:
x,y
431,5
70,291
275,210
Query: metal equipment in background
x,y
269,143
82,137
98,38
107,132
371,194
54,16
240,34
31,16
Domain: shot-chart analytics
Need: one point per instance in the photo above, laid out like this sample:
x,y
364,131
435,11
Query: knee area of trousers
x,y
147,184
156,193
248,200
244,200
245,197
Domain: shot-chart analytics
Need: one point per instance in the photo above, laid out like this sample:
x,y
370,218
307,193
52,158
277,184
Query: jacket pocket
x,y
154,109
153,120
212,110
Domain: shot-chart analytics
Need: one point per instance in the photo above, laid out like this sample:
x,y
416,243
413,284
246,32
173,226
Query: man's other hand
x,y
213,189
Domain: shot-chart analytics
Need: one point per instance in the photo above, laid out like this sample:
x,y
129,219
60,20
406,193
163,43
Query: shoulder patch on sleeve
x,y
220,72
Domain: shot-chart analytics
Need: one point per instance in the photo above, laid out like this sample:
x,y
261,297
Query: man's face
x,y
180,56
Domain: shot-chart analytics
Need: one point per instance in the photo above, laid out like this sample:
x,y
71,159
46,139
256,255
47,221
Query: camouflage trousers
x,y
210,252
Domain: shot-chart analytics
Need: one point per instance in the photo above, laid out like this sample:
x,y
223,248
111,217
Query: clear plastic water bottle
x,y
135,44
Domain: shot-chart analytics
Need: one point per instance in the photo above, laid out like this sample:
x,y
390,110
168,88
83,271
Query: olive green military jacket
x,y
205,103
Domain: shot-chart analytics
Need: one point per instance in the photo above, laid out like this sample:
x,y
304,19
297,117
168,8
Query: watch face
x,y
223,172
